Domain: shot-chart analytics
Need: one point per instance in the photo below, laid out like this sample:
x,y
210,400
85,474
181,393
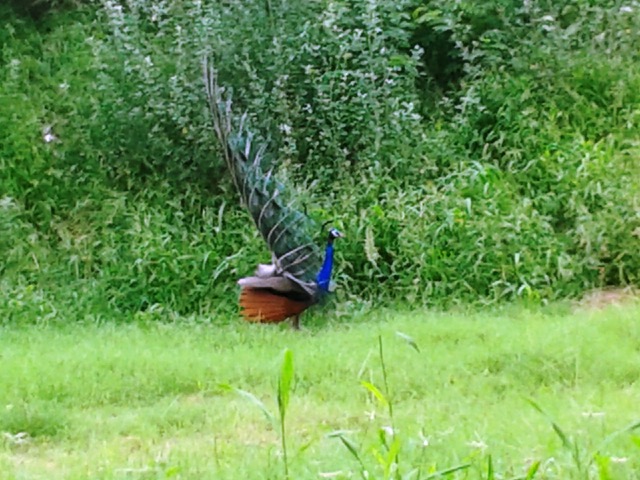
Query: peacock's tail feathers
x,y
286,230
263,306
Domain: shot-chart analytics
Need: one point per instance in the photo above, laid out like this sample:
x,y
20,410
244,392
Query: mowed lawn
x,y
147,400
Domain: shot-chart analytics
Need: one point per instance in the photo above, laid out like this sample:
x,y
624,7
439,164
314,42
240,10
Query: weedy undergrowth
x,y
283,393
389,443
531,472
584,461
482,175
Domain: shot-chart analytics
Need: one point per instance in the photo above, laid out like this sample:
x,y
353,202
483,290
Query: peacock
x,y
300,273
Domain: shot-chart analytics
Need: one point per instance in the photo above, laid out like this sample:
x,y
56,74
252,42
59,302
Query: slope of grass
x,y
145,400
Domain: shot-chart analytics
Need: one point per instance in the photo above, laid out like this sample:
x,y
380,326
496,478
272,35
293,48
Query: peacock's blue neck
x,y
324,275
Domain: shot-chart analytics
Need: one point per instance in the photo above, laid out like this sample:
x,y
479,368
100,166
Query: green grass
x,y
146,400
120,238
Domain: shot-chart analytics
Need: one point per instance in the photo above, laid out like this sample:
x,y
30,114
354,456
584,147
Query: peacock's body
x,y
300,272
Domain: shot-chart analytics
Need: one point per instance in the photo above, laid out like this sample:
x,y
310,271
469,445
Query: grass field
x,y
147,400
494,146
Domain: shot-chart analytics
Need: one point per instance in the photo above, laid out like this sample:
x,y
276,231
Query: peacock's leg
x,y
296,322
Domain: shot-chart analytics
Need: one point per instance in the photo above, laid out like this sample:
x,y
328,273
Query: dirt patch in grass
x,y
606,297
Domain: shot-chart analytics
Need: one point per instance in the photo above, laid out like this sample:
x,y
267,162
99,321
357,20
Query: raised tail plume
x,y
290,285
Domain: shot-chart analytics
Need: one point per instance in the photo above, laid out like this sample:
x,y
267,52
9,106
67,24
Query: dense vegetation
x,y
493,146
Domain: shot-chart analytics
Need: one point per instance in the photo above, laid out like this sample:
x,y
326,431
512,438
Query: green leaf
x,y
382,438
172,471
490,473
604,467
348,443
392,456
533,469
629,428
399,60
410,341
285,382
563,437
305,446
411,474
448,471
566,441
258,403
376,393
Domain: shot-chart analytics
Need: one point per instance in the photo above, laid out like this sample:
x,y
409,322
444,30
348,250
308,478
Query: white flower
x,y
47,136
285,128
593,414
388,430
19,438
626,9
479,444
338,473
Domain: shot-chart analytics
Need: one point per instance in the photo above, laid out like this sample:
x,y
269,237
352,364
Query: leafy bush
x,y
491,145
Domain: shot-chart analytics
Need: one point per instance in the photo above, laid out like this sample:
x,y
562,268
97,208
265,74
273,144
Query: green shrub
x,y
492,147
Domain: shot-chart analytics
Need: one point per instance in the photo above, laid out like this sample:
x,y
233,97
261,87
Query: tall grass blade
x,y
350,446
604,467
448,471
258,403
413,473
386,380
563,437
490,473
566,441
628,429
375,391
410,341
392,457
533,469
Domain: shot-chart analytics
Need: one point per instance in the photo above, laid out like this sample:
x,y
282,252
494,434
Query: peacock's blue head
x,y
333,234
